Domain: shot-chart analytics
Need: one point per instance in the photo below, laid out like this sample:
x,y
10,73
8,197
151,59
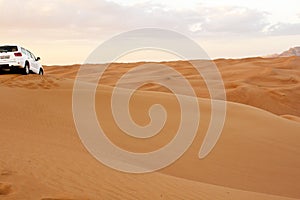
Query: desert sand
x,y
257,156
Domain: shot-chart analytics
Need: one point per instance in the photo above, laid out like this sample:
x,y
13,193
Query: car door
x,y
32,62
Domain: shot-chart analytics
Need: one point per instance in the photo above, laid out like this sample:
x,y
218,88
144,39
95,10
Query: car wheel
x,y
41,72
26,69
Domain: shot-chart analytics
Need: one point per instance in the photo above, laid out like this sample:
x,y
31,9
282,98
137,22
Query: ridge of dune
x,y
291,117
257,156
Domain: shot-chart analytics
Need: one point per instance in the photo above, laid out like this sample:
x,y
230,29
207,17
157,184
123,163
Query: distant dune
x,y
257,156
291,52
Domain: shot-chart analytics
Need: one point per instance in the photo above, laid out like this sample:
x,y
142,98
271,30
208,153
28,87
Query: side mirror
x,y
37,59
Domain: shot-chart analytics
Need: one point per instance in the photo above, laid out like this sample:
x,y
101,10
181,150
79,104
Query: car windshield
x,y
8,49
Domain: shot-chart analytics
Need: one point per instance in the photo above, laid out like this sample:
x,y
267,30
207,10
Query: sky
x,y
66,31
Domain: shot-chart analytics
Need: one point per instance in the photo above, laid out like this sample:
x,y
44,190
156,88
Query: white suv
x,y
16,57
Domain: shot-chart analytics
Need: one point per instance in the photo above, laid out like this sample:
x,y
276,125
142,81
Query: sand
x,y
257,156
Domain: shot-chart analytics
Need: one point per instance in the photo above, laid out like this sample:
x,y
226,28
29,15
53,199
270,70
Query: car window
x,y
8,49
34,58
29,54
23,51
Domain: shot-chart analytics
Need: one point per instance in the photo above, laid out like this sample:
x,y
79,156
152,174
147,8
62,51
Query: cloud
x,y
284,29
77,19
58,13
232,20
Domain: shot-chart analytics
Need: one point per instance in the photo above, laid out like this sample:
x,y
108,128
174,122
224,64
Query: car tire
x,y
26,69
41,72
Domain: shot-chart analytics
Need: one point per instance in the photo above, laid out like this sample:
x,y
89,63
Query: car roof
x,y
18,46
10,45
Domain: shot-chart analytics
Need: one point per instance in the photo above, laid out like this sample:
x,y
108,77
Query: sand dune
x,y
257,156
271,84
